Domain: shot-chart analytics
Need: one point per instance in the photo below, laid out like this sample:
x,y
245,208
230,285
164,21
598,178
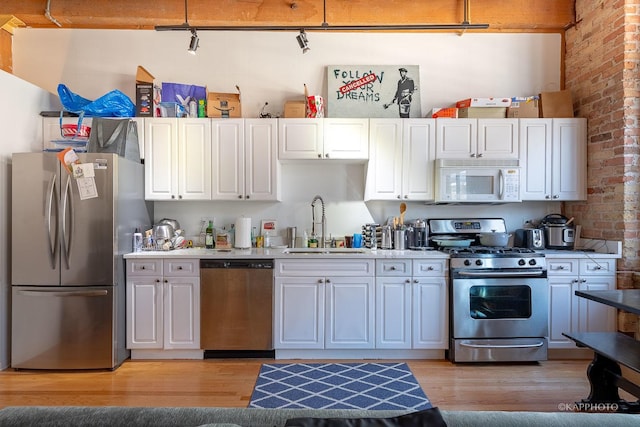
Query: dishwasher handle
x,y
262,264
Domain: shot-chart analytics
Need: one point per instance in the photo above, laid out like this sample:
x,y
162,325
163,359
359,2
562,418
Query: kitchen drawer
x,y
430,267
325,267
146,267
181,267
393,267
597,267
564,267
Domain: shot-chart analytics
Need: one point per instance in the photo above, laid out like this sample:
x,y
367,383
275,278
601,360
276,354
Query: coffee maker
x,y
420,235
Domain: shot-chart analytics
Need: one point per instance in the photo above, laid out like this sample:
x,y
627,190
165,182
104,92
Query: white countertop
x,y
283,253
341,253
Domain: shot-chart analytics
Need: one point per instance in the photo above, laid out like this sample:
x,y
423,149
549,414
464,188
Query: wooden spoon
x,y
403,209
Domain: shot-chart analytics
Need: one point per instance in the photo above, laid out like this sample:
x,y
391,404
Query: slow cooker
x,y
559,231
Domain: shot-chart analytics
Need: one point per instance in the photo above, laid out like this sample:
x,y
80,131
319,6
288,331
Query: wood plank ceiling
x,y
501,15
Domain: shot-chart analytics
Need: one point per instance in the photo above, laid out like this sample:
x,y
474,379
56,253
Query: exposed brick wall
x,y
601,72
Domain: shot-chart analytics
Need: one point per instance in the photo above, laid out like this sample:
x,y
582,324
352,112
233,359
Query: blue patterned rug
x,y
375,386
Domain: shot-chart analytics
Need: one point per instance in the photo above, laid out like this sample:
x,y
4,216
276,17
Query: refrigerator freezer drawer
x,y
63,328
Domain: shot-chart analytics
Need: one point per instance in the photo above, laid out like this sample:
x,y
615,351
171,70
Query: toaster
x,y
532,238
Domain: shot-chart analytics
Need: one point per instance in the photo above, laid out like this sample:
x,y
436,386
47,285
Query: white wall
x,y
269,66
21,131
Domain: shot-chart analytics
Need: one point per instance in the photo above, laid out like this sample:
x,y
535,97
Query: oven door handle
x,y
467,344
485,274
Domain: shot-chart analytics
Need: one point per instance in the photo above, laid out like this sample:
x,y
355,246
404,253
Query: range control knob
x,y
532,261
521,262
478,262
467,262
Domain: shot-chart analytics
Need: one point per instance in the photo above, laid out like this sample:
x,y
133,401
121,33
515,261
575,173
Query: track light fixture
x,y
193,44
303,42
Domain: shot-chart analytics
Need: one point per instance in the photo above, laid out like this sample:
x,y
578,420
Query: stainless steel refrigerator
x,y
67,267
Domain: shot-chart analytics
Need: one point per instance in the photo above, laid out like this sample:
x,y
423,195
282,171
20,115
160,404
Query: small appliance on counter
x,y
531,238
559,232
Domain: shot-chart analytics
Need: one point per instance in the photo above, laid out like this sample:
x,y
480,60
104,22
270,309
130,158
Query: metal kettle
x,y
559,231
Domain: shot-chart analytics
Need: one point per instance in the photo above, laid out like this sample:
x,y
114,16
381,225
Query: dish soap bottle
x,y
209,240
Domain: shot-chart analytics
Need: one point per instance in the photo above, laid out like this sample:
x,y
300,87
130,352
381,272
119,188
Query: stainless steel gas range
x,y
498,295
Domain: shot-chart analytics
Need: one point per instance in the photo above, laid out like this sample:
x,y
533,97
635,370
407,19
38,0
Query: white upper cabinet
x,y
338,139
477,138
244,159
178,159
401,157
262,169
300,138
227,140
346,139
553,159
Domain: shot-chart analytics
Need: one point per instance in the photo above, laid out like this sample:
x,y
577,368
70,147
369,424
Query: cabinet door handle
x,y
328,281
320,281
319,155
473,154
393,267
480,155
157,280
239,196
555,196
415,280
173,196
180,268
430,268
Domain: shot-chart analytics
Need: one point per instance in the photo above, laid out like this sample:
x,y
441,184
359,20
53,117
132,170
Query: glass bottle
x,y
209,240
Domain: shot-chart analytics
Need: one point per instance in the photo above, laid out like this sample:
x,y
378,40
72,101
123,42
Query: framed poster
x,y
373,91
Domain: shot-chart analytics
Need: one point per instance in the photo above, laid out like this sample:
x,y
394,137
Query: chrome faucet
x,y
323,220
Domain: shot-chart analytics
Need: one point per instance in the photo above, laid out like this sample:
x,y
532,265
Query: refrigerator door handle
x,y
98,293
67,209
52,244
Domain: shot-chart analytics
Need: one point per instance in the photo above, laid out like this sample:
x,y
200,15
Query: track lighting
x,y
193,45
303,42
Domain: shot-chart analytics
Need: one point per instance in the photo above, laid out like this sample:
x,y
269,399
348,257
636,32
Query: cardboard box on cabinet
x,y
147,95
295,109
523,107
556,104
224,105
483,102
439,112
483,112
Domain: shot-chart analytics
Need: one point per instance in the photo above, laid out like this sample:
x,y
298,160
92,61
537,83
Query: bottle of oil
x,y
209,239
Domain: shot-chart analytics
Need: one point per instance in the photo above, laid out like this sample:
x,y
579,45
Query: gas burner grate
x,y
488,250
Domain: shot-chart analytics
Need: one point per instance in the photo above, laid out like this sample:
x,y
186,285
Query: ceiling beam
x,y
501,15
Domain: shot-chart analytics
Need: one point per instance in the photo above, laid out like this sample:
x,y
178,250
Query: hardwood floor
x,y
229,383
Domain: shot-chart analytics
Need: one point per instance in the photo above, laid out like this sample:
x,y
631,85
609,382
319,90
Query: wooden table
x,y
611,349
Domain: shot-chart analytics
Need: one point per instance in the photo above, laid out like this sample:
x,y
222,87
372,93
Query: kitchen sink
x,y
324,251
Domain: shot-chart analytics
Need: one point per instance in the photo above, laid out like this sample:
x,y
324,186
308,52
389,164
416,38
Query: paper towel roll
x,y
243,233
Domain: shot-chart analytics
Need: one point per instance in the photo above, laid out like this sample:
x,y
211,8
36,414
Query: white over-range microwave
x,y
477,180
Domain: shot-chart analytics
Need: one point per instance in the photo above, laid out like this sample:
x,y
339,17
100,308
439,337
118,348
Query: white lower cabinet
x,y
411,304
324,304
569,313
163,306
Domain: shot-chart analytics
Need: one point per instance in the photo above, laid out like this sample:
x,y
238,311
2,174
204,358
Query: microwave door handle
x,y
501,180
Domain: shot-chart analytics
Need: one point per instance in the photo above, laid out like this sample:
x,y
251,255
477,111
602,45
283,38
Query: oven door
x,y
499,320
500,307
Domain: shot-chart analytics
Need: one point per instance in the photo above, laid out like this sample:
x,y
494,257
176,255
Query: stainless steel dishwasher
x,y
236,306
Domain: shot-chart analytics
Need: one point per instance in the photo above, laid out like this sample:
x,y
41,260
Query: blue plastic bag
x,y
111,104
